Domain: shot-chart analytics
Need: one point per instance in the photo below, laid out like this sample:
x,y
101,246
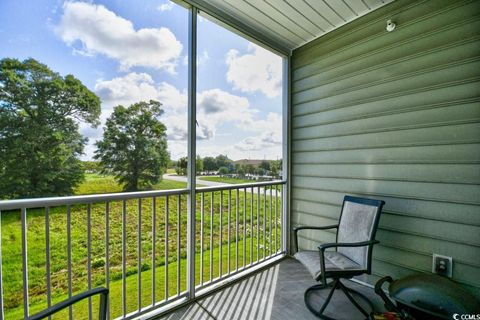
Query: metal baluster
x,y
89,256
124,258
276,222
284,233
282,217
154,244
69,257
258,223
236,230
139,255
1,273
221,236
252,194
270,223
264,221
211,237
47,260
179,206
201,236
23,219
166,247
107,253
244,227
229,222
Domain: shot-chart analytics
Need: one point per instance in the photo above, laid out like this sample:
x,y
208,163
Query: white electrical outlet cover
x,y
450,269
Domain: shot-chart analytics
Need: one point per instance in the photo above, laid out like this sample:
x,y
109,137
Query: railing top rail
x,y
240,186
84,199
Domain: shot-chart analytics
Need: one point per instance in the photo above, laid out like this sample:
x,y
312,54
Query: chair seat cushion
x,y
334,261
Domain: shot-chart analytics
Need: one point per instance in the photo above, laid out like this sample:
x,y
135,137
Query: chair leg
x,y
336,284
347,291
317,287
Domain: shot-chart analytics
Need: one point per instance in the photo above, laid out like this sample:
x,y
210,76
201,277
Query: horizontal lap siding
x,y
394,116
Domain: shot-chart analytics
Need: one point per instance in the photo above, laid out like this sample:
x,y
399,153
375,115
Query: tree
x,y
209,164
231,168
134,145
265,165
222,161
249,168
199,164
241,171
181,166
260,172
39,140
276,167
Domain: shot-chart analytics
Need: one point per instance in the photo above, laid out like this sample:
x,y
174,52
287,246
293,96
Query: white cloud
x,y
260,142
258,70
93,29
167,6
273,122
133,87
215,107
269,134
172,98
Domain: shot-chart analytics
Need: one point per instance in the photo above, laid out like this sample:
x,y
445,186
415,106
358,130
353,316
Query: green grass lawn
x,y
97,183
226,180
11,243
80,310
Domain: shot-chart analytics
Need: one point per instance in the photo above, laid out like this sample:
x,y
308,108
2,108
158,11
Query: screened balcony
x,y
385,114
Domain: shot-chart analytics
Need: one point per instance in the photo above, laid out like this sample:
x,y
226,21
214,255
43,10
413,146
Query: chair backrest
x,y
358,222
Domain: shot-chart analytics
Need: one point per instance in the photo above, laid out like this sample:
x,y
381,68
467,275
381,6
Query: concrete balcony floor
x,y
274,293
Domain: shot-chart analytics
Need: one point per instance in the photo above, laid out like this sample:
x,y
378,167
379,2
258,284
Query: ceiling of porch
x,y
288,24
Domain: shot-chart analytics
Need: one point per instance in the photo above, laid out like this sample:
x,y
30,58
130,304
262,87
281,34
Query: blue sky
x,y
128,51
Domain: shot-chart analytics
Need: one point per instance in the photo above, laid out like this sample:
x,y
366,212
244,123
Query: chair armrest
x,y
103,292
298,228
350,244
315,227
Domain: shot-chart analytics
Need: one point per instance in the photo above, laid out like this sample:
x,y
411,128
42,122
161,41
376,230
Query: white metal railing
x,y
237,227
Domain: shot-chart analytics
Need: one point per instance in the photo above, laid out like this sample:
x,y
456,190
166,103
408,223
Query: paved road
x,y
174,177
206,183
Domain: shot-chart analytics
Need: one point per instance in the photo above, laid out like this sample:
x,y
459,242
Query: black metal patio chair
x,y
102,312
353,251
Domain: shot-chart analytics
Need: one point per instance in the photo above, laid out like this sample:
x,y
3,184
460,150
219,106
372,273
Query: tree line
x,y
40,141
222,165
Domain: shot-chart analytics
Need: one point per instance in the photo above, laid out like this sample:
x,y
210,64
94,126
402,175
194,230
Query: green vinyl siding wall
x,y
394,116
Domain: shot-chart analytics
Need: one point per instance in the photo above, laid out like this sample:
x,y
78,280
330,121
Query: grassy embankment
x,y
11,246
97,183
